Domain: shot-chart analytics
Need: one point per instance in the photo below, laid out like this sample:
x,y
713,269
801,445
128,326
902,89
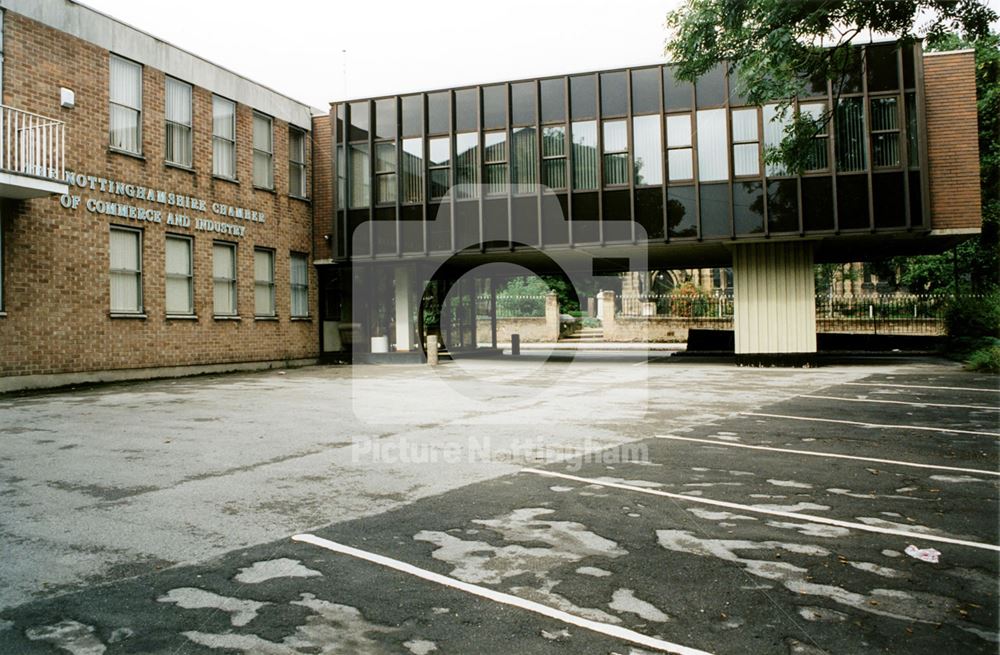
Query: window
x,y
775,124
495,159
297,163
126,271
439,166
817,159
178,117
413,115
713,153
647,164
614,94
126,105
224,278
912,139
494,106
263,152
585,155
223,138
885,131
299,276
413,171
851,135
467,165
615,158
180,281
341,178
385,173
522,103
680,158
746,142
553,100
524,160
263,282
554,157
360,176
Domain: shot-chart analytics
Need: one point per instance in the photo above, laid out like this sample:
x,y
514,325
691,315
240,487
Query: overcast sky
x,y
302,48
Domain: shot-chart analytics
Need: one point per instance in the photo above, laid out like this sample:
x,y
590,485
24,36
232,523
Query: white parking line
x,y
919,386
916,536
875,460
900,402
922,428
498,596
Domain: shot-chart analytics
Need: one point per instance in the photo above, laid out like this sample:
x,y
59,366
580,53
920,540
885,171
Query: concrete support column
x,y
404,310
774,303
552,316
607,314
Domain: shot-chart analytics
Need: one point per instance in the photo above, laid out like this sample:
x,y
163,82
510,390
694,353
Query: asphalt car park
x,y
781,527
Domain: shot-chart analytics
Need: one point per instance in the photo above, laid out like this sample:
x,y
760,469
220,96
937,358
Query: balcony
x,y
32,155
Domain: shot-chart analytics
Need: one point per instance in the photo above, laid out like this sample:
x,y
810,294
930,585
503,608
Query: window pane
x,y
715,201
178,296
125,292
385,167
553,100
126,83
744,125
883,70
413,171
710,88
746,159
783,205
440,161
222,261
223,112
385,118
748,207
299,276
713,155
126,280
553,141
466,110
851,135
359,121
817,158
261,133
494,106
676,94
583,96
467,165
615,136
124,250
524,160
224,279
413,115
646,142
495,154
680,164
522,103
616,153
885,146
178,102
437,112
124,128
614,94
912,138
679,130
263,269
585,155
646,91
360,176
774,134
682,218
178,271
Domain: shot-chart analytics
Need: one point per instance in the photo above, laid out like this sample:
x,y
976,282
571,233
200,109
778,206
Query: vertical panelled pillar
x,y
404,310
774,303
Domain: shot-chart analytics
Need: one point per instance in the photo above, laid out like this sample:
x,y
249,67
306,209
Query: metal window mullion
x,y
600,158
867,141
480,168
509,173
539,162
630,151
568,152
693,121
372,179
399,173
665,174
452,170
831,152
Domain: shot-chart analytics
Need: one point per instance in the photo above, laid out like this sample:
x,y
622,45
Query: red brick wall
x,y
56,260
952,140
322,188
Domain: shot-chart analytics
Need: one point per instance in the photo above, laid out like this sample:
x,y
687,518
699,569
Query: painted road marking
x,y
901,402
770,512
923,428
498,596
919,386
729,444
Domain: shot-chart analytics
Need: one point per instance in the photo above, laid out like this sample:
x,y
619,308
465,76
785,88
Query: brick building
x,y
157,209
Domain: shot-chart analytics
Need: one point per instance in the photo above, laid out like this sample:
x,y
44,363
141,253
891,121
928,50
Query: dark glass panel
x,y
437,112
646,91
847,70
851,135
583,96
852,202
888,200
413,115
585,218
617,215
815,86
553,100
682,215
357,226
614,94
883,73
909,74
466,110
735,84
359,121
495,220
710,88
649,214
385,230
411,228
676,93
466,224
340,123
439,227
715,211
817,203
524,220
494,106
555,218
916,200
385,118
782,206
522,103
748,208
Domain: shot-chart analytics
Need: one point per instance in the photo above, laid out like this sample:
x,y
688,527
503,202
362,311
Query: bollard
x,y
432,349
515,344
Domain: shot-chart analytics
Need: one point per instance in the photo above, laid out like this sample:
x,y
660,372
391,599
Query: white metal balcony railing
x,y
32,145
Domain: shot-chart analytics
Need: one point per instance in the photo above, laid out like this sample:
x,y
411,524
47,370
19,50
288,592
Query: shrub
x,y
974,317
986,359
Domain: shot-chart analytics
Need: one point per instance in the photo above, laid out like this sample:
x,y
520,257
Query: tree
x,y
778,47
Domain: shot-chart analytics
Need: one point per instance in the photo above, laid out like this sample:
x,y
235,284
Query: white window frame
x,y
227,312
297,164
137,110
223,139
298,289
188,277
261,155
135,272
184,128
271,310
